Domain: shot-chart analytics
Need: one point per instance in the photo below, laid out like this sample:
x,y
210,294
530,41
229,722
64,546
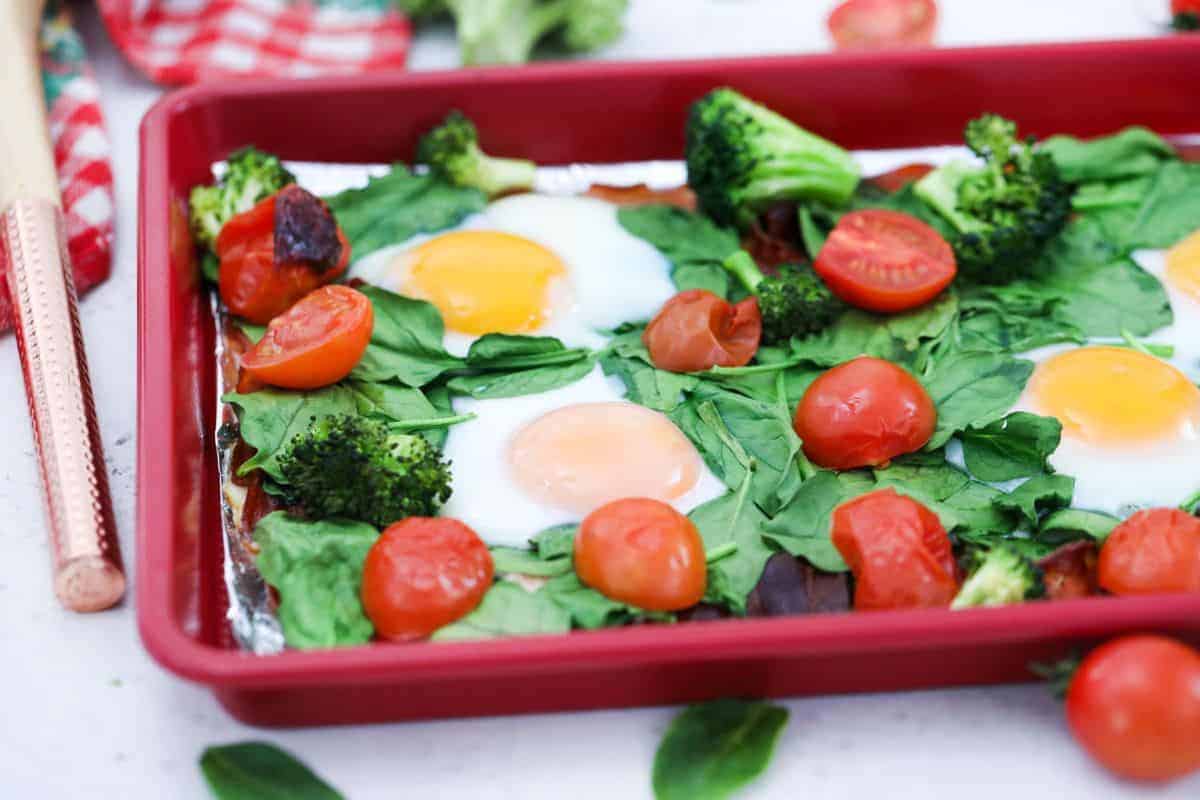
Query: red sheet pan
x,y
565,113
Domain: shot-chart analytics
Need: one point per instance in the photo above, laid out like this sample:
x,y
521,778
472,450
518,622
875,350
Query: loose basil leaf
x,y
1132,152
713,749
973,388
261,771
733,518
269,418
397,206
1038,495
491,385
528,562
406,342
555,542
1016,446
508,610
317,569
693,244
1074,523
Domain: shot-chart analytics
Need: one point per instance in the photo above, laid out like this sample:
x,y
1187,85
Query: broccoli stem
x,y
741,265
499,175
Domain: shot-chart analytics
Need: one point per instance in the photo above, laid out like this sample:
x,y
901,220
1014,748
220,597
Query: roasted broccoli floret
x,y
796,303
506,31
742,158
252,175
355,467
1004,211
1186,21
451,150
1001,576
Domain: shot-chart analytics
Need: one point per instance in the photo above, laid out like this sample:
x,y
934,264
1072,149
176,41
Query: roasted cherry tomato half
x,y
696,330
423,573
863,413
898,551
897,179
316,342
885,261
1154,551
1069,571
254,284
1134,705
642,552
883,24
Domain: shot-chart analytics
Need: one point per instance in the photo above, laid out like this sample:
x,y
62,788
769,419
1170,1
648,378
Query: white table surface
x,y
87,714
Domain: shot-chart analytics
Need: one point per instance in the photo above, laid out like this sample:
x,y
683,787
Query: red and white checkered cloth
x,y
180,41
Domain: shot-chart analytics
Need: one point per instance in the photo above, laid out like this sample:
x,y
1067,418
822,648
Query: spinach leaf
x,y
802,528
555,542
261,771
1038,495
1132,152
973,388
588,608
1170,211
397,206
528,562
646,385
406,408
733,518
406,342
811,233
508,610
1016,446
488,385
713,749
1074,523
693,244
317,569
505,351
269,418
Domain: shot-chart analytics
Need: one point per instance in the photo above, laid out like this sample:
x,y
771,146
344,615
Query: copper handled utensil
x,y
87,562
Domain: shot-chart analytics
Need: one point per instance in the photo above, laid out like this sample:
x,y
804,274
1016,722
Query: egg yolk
x,y
1111,395
485,281
1183,266
582,456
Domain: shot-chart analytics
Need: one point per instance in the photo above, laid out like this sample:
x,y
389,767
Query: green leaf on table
x,y
1016,446
733,518
317,569
693,244
1038,495
261,771
406,342
711,750
269,418
973,388
394,207
508,610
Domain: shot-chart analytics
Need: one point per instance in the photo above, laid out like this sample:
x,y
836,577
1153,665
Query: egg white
x,y
1184,332
486,497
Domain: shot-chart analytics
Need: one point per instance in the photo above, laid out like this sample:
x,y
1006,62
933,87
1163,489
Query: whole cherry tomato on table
x,y
277,252
1134,705
883,24
316,342
863,413
898,551
642,552
423,573
885,261
1154,551
697,330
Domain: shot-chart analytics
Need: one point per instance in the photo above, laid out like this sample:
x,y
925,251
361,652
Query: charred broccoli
x,y
796,303
1005,211
451,150
251,176
742,157
506,31
1001,576
1185,21
355,467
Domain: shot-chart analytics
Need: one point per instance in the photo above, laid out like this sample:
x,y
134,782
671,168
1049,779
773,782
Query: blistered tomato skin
x,y
642,552
697,330
1134,705
423,573
1152,552
863,413
898,551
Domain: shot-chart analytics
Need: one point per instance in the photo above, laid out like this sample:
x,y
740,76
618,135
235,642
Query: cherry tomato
x,y
314,343
696,330
885,261
1154,551
1185,6
423,573
642,552
863,413
883,24
898,551
900,177
251,283
1134,705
